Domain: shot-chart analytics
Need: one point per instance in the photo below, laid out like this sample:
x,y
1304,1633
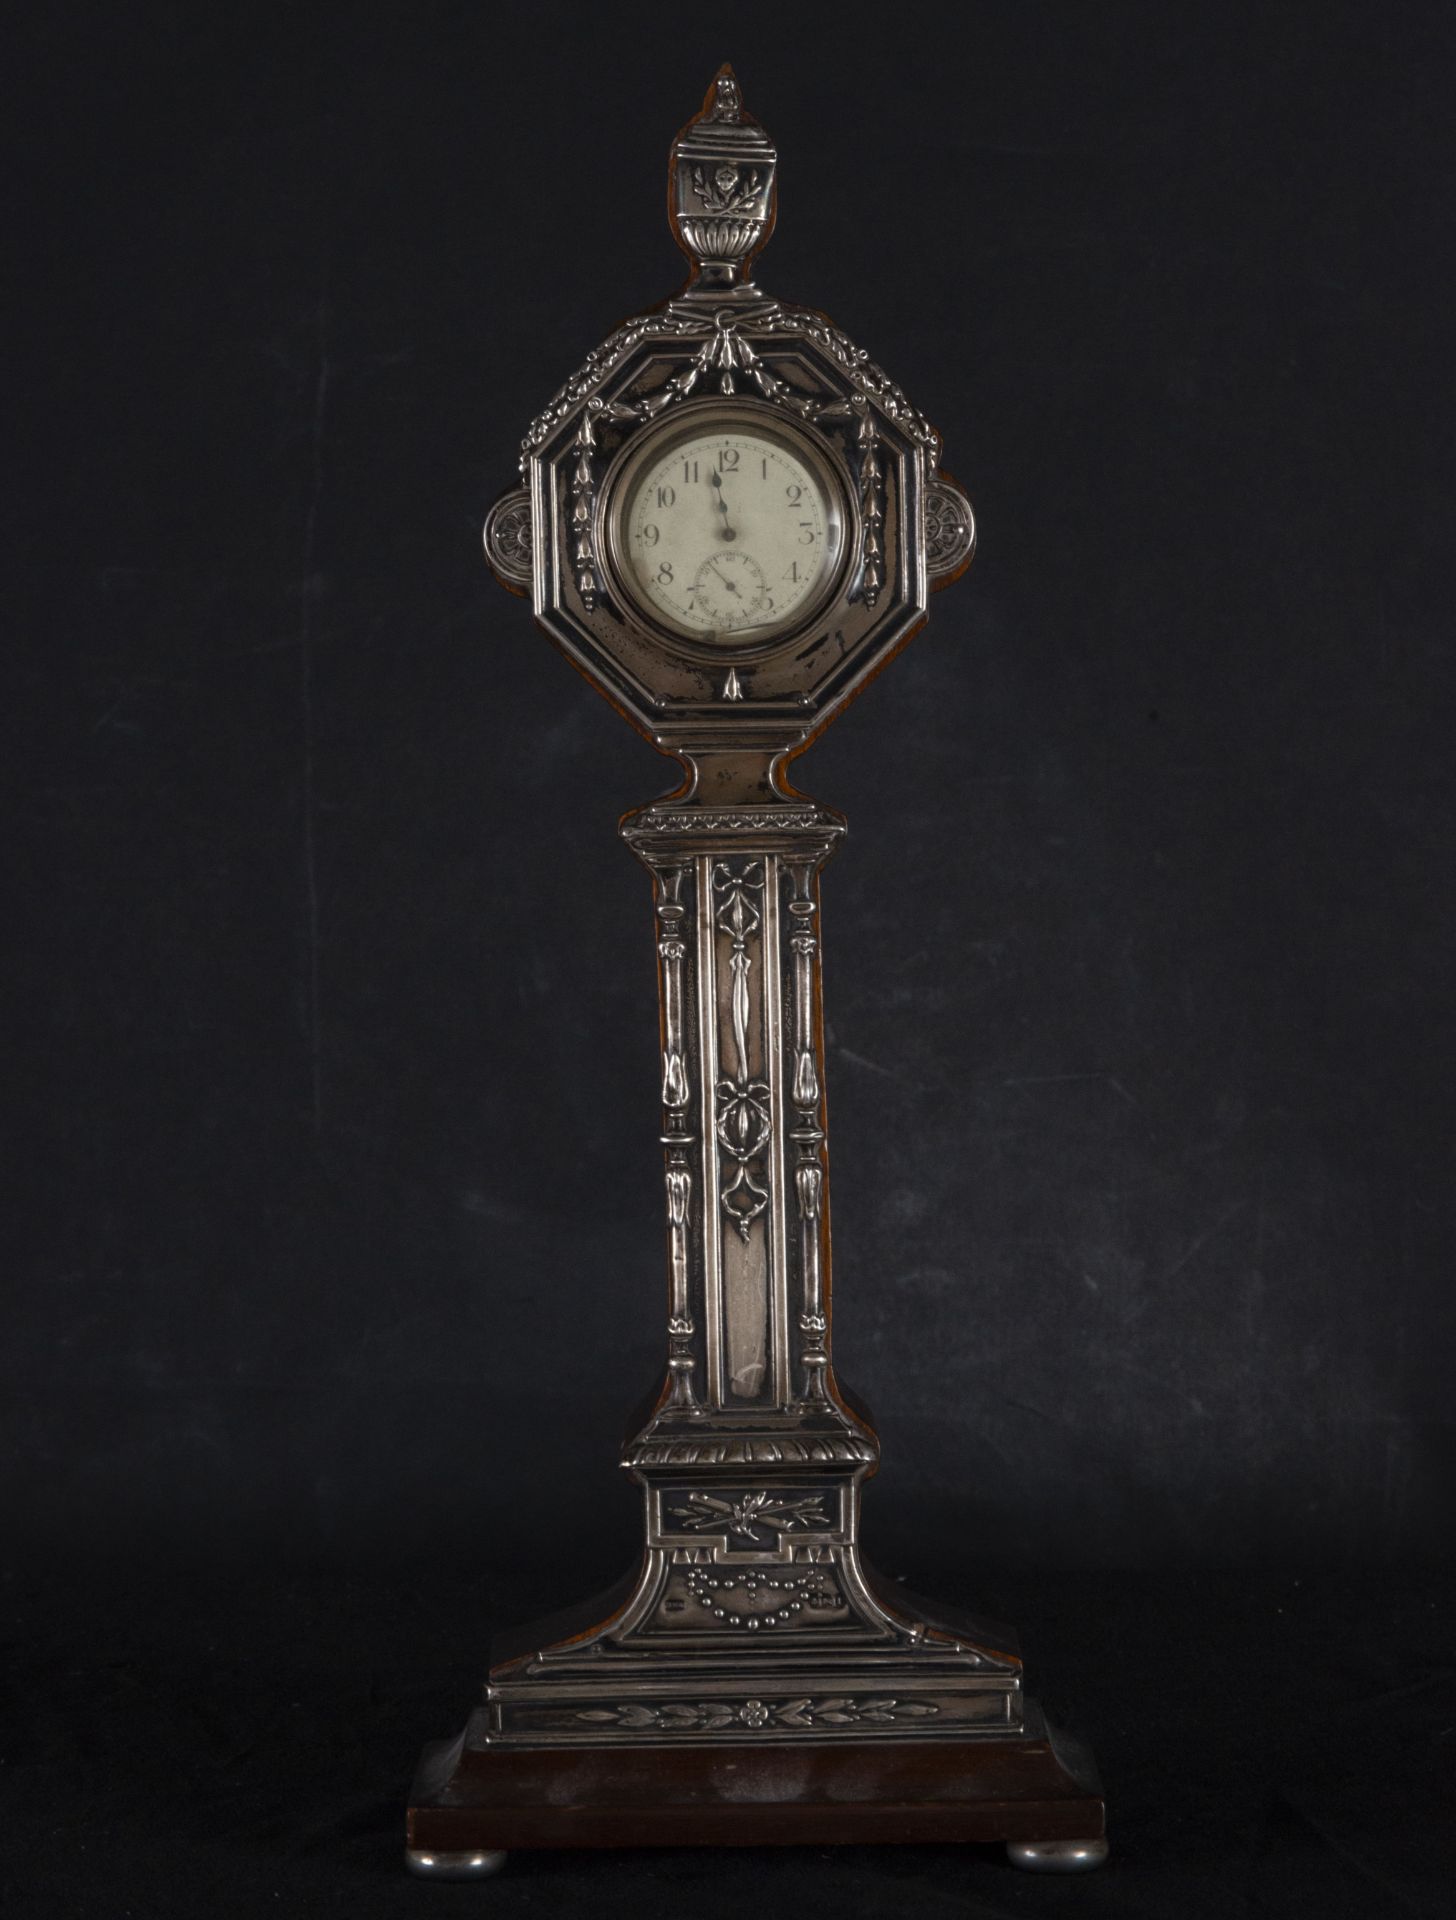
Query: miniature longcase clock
x,y
730,518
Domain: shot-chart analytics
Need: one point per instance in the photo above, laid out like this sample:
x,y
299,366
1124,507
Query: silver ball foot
x,y
1056,1856
477,1864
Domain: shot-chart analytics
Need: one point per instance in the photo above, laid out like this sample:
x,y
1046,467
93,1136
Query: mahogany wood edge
x,y
468,1796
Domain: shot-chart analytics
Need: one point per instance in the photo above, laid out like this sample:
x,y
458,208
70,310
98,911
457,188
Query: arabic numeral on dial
x,y
728,461
793,493
764,464
666,496
793,573
664,574
690,472
650,536
808,537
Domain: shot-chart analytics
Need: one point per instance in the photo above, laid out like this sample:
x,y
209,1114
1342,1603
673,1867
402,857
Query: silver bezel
x,y
688,422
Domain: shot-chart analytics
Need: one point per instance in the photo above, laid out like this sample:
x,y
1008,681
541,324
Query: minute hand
x,y
726,532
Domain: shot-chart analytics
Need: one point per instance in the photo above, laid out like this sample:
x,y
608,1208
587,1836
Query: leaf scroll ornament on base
x,y
712,1716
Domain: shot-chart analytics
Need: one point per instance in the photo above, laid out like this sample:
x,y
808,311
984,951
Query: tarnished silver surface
x,y
752,1619
950,530
722,344
1056,1856
508,539
475,1865
740,1062
787,363
723,191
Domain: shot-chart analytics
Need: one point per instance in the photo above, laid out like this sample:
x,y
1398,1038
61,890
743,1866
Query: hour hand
x,y
725,532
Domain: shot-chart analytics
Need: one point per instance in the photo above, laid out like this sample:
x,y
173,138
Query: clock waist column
x,y
743,1105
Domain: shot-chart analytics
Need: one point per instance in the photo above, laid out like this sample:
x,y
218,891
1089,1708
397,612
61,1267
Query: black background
x,y
334,1180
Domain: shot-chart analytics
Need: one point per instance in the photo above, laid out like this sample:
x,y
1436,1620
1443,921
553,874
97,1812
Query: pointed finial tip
x,y
724,98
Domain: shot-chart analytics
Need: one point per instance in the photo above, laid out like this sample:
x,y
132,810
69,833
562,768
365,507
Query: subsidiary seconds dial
x,y
727,531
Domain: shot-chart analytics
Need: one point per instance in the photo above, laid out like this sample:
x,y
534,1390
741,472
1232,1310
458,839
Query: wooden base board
x,y
470,1796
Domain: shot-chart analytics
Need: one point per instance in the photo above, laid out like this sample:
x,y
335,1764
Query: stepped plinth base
x,y
475,1799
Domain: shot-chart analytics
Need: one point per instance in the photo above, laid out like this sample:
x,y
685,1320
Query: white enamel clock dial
x,y
727,531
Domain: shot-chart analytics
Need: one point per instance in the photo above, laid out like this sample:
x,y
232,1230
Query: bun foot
x,y
1056,1856
475,1864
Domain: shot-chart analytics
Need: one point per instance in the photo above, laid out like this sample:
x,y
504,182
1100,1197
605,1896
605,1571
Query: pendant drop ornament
x,y
729,518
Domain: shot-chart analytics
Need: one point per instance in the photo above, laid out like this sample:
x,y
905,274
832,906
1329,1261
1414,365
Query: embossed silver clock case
x,y
752,1459
751,1620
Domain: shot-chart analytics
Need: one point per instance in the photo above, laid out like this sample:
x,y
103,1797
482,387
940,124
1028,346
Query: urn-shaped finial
x,y
722,193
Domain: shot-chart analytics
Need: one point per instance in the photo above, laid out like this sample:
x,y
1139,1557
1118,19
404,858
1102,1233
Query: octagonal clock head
x,y
731,518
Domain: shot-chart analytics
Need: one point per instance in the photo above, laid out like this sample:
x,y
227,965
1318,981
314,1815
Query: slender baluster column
x,y
677,1136
808,1128
742,1095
